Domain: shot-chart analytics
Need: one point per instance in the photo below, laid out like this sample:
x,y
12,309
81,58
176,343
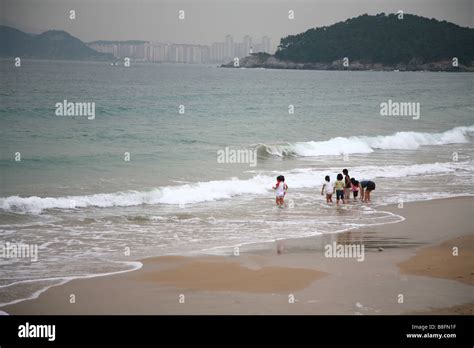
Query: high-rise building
x,y
107,48
148,48
229,47
125,51
160,52
239,50
138,52
205,54
217,52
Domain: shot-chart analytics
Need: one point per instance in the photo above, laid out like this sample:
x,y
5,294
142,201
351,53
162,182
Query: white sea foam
x,y
135,265
364,144
216,190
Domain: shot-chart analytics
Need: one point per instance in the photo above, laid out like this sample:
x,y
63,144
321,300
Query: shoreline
x,y
260,261
203,252
64,280
267,61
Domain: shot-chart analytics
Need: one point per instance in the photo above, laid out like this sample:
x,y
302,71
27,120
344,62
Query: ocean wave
x,y
218,189
365,144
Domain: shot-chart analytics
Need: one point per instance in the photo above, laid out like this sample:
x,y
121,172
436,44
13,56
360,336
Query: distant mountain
x,y
52,44
380,42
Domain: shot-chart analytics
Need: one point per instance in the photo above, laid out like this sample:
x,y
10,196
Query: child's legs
x,y
340,195
279,200
328,198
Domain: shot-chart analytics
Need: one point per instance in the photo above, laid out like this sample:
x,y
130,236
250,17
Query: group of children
x,y
343,187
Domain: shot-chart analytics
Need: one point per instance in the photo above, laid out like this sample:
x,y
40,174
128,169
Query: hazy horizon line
x,y
37,31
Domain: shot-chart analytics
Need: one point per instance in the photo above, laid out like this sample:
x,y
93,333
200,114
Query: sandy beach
x,y
408,267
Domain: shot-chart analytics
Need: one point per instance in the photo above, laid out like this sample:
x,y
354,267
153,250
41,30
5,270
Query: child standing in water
x,y
281,189
355,188
327,189
347,182
339,187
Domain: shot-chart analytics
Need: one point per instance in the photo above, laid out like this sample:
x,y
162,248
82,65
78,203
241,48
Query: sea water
x,y
143,177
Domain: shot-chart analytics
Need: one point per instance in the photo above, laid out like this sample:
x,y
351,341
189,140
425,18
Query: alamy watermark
x,y
335,250
66,108
394,108
28,330
19,251
233,156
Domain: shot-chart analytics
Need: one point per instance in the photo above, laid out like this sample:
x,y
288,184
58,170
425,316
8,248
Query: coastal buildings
x,y
217,52
242,49
229,47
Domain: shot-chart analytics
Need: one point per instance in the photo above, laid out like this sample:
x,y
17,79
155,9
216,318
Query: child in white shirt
x,y
327,189
280,189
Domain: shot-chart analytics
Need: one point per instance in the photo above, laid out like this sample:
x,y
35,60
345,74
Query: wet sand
x,y
406,269
453,259
225,276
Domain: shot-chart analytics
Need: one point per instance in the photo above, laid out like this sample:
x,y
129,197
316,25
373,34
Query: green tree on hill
x,y
384,39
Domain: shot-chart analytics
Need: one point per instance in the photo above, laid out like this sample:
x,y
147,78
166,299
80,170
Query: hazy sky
x,y
207,21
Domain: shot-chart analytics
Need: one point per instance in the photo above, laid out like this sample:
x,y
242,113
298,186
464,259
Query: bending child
x,y
366,187
355,188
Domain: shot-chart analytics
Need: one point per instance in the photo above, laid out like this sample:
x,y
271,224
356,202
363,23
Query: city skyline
x,y
206,21
154,51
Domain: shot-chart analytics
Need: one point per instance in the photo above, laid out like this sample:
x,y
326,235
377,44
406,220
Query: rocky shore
x,y
267,61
